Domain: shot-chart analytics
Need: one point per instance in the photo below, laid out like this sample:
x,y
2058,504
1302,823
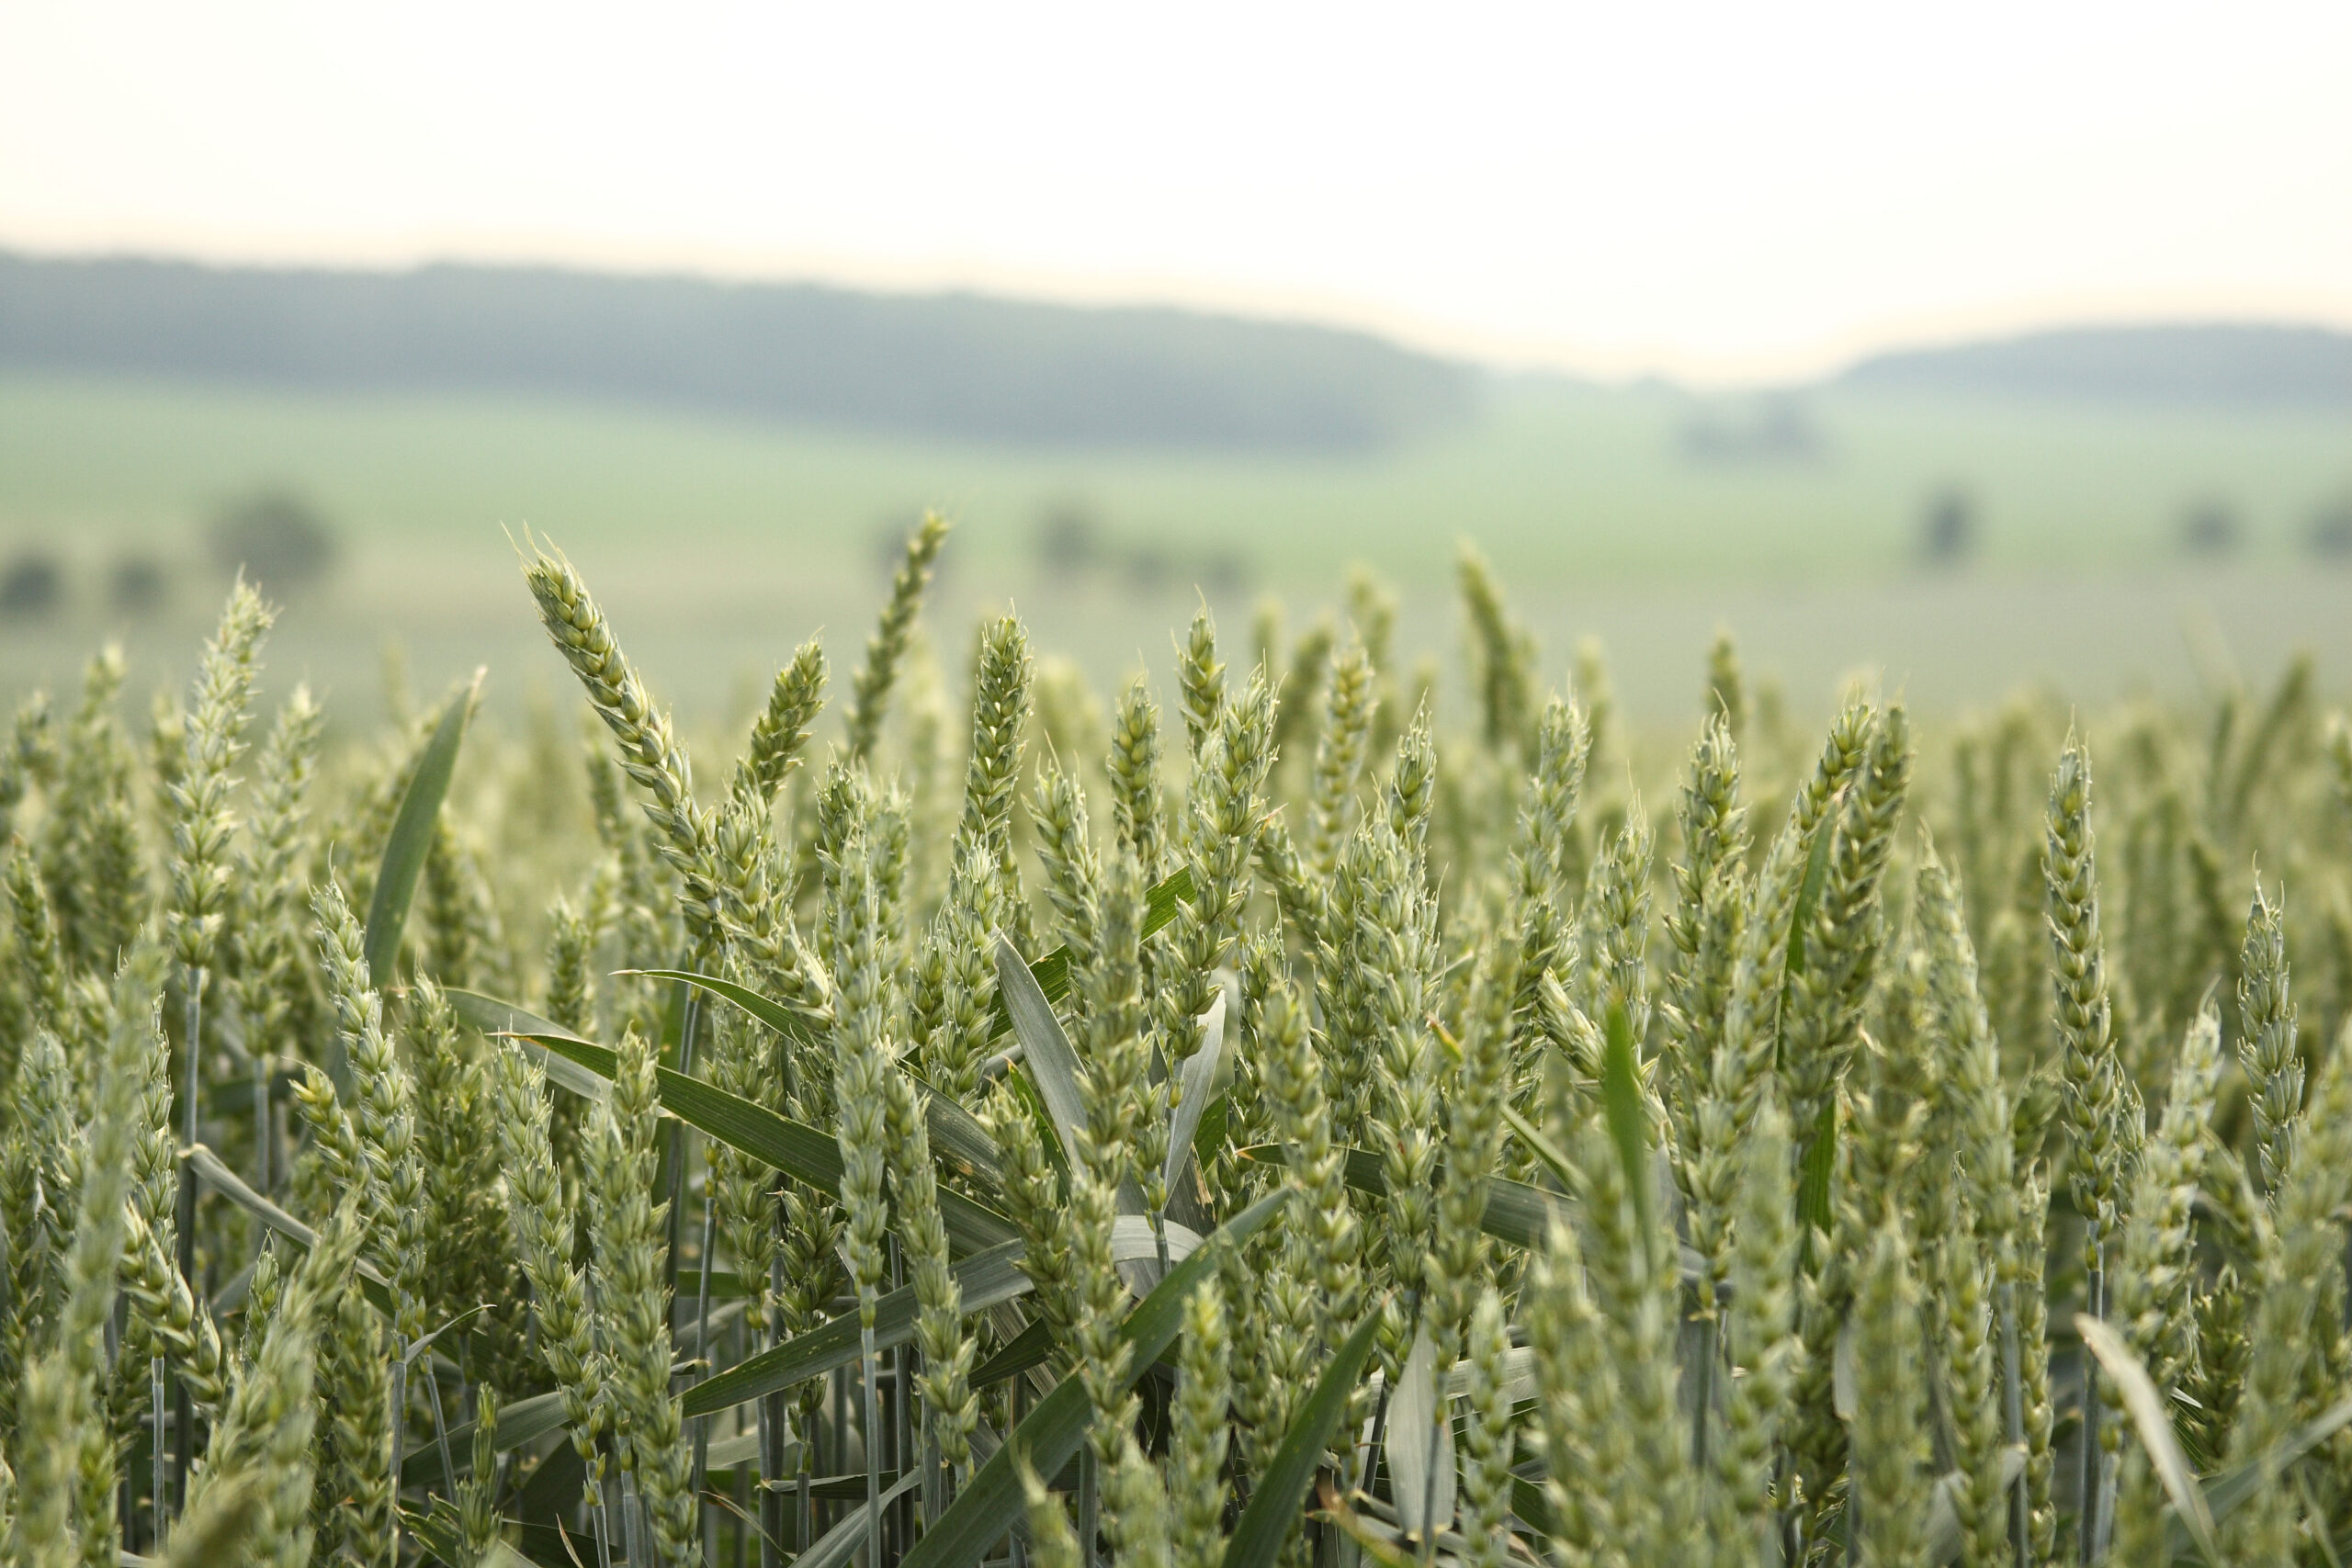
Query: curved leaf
x,y
1420,1442
776,1015
987,1278
1028,1348
1516,1212
792,1147
957,1136
1272,1512
1197,1078
841,1543
412,835
524,1421
491,1016
1051,972
1542,1147
2234,1487
1045,1048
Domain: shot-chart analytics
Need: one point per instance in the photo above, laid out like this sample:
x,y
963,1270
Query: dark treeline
x,y
2223,365
952,364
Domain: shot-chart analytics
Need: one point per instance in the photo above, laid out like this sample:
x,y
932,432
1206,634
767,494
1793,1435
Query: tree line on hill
x,y
956,365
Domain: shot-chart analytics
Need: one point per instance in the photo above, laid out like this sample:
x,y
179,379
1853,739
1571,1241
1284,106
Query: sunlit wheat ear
x,y
1140,810
1066,846
1472,1139
1034,1200
2156,1268
783,728
354,1394
214,739
2301,1272
2099,1116
863,1051
94,1255
37,949
1758,1335
1347,704
1224,810
649,751
1197,1493
870,694
1727,686
1892,1454
1296,1085
1823,1005
948,1351
1200,676
272,991
2267,1043
1502,656
1052,1541
1555,790
1100,1297
632,1299
1752,1015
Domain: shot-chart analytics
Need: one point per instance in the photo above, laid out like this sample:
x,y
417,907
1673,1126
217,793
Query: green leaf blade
x,y
411,836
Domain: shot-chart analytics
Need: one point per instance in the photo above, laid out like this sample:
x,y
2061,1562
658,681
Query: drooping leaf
x,y
1051,972
2233,1487
988,1507
491,1016
783,1019
1030,1348
2148,1414
1820,1165
215,1174
792,1147
1274,1510
1046,1049
838,1544
1420,1444
1515,1212
1542,1147
987,1278
412,832
958,1137
1628,1117
520,1422
1197,1082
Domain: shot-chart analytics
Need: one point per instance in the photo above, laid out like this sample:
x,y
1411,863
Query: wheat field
x,y
1291,1122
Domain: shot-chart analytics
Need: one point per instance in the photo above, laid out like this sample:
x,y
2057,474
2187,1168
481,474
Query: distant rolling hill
x,y
954,366
2238,366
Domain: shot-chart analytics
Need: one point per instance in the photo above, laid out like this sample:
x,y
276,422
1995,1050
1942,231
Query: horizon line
x,y
1728,373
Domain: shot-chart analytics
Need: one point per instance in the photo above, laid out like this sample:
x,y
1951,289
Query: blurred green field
x,y
1558,481
718,542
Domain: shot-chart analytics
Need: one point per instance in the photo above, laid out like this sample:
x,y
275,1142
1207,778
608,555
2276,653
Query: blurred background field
x,y
1961,540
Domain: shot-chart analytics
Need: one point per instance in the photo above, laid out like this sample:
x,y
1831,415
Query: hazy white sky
x,y
1724,191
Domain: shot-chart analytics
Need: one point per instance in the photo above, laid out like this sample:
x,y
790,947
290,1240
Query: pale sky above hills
x,y
1723,192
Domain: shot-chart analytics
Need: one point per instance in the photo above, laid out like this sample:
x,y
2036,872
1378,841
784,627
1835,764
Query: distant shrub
x,y
1069,538
32,583
138,583
1071,542
277,536
2331,530
1948,526
2211,528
